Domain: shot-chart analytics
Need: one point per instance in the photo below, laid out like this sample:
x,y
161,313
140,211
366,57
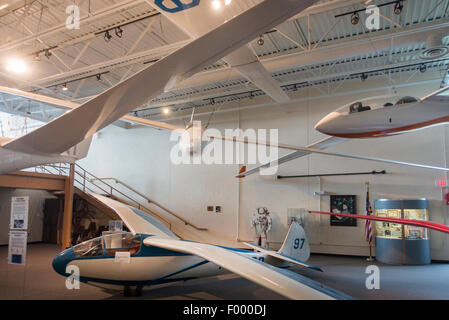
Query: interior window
x,y
407,100
122,242
90,248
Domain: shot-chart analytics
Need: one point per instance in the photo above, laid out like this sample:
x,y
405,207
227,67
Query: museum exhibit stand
x,y
401,244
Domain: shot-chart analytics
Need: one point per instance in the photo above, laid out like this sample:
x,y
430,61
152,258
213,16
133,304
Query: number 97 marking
x,y
298,242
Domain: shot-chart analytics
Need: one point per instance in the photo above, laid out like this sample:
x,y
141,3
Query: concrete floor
x,y
37,280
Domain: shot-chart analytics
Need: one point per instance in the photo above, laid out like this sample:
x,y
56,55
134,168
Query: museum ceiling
x,y
321,48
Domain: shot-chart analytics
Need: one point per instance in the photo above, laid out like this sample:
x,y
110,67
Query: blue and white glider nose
x,y
61,260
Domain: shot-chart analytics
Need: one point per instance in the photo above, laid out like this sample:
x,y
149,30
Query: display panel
x,y
398,231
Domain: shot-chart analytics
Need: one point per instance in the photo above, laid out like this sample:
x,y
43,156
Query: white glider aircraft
x,y
68,137
151,254
369,118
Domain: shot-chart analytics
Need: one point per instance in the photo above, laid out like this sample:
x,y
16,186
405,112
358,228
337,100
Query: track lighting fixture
x,y
260,42
398,7
37,57
98,76
118,32
422,68
355,18
107,36
47,54
363,77
64,87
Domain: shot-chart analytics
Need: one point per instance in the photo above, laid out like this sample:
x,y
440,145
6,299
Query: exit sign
x,y
441,183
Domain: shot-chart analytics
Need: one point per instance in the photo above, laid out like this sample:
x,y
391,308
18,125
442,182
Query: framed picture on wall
x,y
343,204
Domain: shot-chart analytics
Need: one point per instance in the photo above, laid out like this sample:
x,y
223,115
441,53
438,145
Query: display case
x,y
394,230
397,243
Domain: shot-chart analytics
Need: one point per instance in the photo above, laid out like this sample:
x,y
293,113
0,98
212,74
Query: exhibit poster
x,y
17,247
343,204
19,213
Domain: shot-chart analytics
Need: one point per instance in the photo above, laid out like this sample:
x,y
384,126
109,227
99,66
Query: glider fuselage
x,y
385,116
97,262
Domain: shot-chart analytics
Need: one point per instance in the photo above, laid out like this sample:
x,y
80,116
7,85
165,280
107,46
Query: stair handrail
x,y
63,170
89,177
95,178
110,191
154,202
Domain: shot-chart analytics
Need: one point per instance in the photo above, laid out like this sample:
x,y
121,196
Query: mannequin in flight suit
x,y
261,222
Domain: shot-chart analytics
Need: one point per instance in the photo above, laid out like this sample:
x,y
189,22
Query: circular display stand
x,y
402,251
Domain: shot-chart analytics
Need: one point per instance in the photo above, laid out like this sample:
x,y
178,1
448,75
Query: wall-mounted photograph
x,y
343,204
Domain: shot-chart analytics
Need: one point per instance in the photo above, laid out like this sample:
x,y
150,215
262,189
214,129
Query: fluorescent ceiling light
x,y
16,66
216,4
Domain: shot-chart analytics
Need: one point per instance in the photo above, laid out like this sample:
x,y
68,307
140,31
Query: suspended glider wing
x,y
68,105
426,224
322,144
308,150
286,283
54,102
284,257
81,123
256,73
441,96
136,220
201,18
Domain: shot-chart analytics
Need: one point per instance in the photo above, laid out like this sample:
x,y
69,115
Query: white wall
x,y
35,212
140,157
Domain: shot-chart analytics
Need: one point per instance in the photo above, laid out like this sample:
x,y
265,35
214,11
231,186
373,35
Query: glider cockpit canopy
x,y
375,103
109,245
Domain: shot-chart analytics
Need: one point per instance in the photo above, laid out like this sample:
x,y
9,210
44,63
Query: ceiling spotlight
x,y
363,77
216,4
16,66
260,42
37,57
355,18
166,110
47,54
99,76
398,7
227,2
107,36
422,68
64,87
118,32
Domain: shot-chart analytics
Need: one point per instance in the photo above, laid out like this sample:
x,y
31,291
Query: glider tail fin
x,y
296,244
295,249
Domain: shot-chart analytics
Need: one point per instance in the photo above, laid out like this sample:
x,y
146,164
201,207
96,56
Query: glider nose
x,y
327,124
62,259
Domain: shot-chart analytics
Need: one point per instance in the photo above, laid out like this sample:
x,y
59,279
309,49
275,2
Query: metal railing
x,y
89,183
128,187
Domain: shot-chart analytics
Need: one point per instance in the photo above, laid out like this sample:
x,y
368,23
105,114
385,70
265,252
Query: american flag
x,y
369,212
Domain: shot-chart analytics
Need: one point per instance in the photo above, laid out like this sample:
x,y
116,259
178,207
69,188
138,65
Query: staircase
x,y
86,183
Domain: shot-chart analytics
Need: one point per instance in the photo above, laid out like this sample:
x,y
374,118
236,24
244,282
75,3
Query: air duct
x,y
434,47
